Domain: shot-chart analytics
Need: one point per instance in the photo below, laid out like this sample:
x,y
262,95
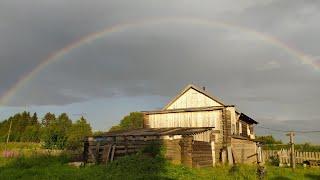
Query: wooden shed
x,y
180,146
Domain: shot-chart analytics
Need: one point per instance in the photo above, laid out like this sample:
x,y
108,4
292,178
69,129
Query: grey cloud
x,y
278,127
161,59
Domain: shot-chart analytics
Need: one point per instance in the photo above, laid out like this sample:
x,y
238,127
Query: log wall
x,y
173,150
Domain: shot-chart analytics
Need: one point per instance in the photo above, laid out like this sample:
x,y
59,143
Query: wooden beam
x,y
230,157
209,108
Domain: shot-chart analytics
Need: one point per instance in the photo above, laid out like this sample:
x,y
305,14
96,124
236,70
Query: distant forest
x,y
57,132
60,132
54,132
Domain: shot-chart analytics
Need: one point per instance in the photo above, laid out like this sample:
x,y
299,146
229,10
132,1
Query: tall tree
x,y
77,132
23,127
47,119
132,121
55,134
269,139
34,119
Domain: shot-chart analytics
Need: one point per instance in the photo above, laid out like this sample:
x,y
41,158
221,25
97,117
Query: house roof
x,y
159,131
200,90
247,119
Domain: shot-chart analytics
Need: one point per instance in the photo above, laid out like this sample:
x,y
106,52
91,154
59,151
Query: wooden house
x,y
232,132
196,128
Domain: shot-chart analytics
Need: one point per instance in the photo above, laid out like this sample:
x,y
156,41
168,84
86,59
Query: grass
x,y
136,167
48,166
19,146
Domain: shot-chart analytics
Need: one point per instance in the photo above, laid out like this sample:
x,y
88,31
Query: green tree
x,y
115,128
34,119
23,125
77,132
132,121
47,119
31,134
55,134
268,140
98,133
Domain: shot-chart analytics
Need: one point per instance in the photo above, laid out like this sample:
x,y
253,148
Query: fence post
x,y
293,159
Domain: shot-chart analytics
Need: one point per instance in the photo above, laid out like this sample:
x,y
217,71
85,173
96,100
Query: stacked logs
x,y
201,154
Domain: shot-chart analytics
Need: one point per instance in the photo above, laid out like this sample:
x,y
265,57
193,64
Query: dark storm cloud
x,y
261,78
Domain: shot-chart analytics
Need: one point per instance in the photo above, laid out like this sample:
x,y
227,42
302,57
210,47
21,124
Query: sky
x,y
150,58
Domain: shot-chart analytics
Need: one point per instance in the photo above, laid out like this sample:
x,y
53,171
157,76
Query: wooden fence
x,y
106,150
284,156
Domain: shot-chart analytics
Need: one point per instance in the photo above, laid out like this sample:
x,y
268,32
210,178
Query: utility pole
x,y
8,137
293,155
10,126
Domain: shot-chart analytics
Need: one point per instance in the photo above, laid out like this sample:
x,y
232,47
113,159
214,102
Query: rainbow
x,y
56,56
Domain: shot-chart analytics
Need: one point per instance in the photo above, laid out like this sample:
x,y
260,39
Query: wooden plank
x,y
213,154
223,156
97,152
106,153
234,156
201,109
113,152
230,157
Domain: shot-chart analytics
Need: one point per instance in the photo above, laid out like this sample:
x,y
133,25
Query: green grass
x,y
34,164
20,148
19,145
135,167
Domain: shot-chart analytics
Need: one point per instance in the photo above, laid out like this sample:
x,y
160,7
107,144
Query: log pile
x,y
201,154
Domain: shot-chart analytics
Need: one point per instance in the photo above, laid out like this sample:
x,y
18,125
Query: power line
x,y
302,132
271,129
286,131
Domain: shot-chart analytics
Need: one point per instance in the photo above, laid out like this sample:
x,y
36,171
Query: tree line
x,y
132,121
60,132
54,132
270,143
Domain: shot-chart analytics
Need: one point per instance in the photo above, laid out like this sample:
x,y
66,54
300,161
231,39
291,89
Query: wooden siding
x,y
192,99
233,119
205,136
244,131
184,119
